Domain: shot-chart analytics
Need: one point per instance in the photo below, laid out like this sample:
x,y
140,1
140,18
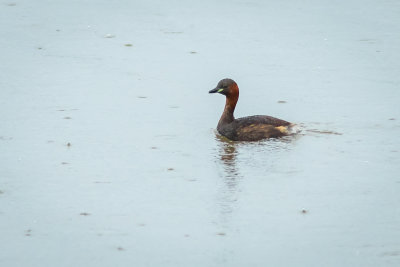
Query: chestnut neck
x,y
231,99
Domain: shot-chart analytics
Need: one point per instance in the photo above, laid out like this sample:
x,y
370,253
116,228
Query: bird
x,y
251,128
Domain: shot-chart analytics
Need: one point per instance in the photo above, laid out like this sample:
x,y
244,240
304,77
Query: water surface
x,y
109,155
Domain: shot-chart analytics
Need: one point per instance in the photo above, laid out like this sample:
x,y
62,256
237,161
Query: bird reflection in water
x,y
227,153
230,160
227,159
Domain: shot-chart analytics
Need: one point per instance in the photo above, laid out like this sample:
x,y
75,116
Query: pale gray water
x,y
147,182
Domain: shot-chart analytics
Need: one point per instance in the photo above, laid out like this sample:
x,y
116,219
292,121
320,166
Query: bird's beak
x,y
216,90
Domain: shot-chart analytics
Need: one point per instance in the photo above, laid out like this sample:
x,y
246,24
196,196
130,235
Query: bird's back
x,y
254,128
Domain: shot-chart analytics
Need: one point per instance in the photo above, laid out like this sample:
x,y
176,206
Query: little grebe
x,y
250,128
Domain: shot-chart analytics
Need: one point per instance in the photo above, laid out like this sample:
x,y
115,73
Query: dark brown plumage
x,y
250,128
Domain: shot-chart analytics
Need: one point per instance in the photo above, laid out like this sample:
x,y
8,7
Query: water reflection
x,y
227,152
236,160
228,191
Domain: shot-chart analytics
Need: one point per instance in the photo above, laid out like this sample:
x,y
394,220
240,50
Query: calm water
x,y
108,149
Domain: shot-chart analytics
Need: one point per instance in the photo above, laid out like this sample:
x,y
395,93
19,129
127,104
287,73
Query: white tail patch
x,y
295,128
291,129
